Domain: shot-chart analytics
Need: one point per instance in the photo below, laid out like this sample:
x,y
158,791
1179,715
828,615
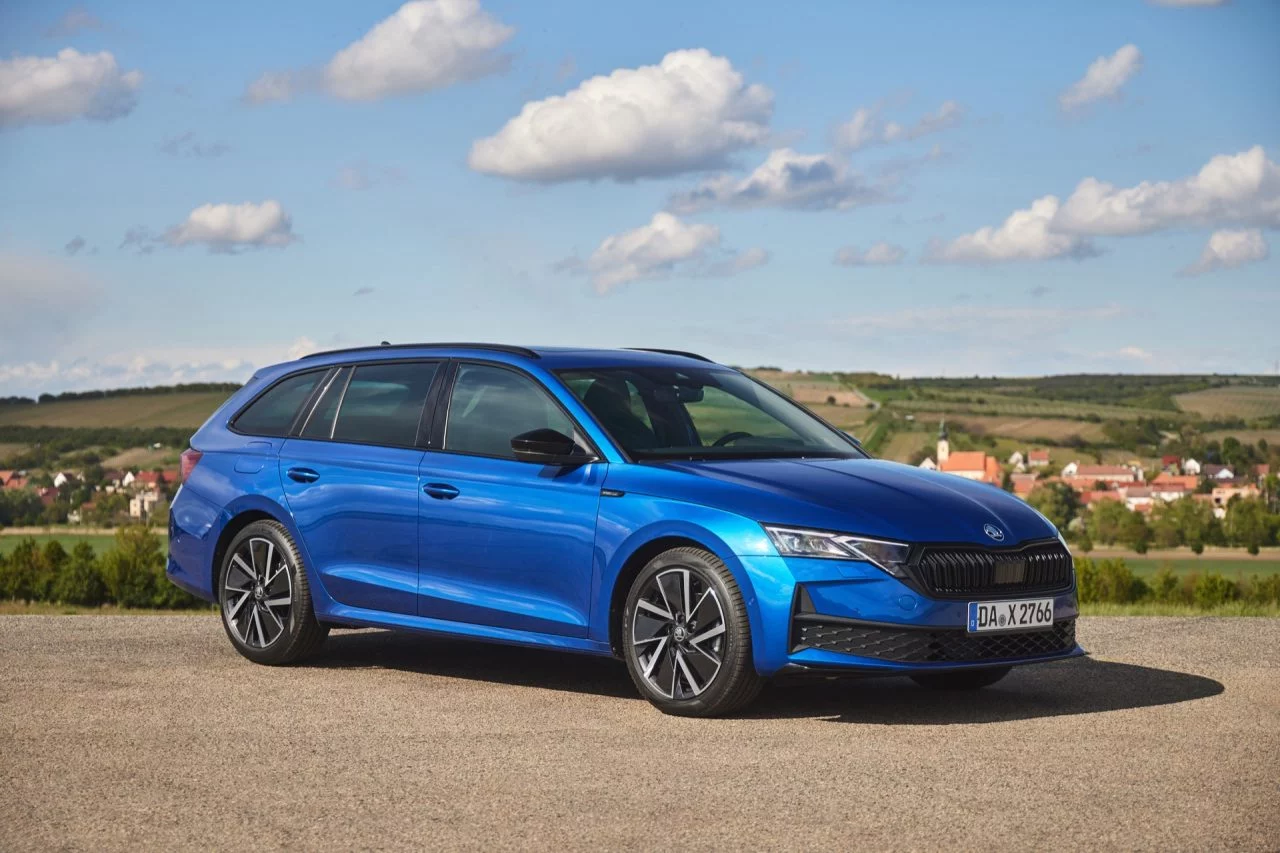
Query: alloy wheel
x,y
257,593
678,633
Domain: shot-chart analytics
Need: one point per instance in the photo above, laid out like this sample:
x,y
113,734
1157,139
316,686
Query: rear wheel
x,y
266,602
686,637
962,679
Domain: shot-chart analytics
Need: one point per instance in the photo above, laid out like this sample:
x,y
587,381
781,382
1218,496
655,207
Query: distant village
x,y
115,493
1177,479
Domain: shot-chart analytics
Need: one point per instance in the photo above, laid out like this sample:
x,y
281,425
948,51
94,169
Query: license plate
x,y
1010,615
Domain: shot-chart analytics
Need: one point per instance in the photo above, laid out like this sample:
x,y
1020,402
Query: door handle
x,y
441,491
303,475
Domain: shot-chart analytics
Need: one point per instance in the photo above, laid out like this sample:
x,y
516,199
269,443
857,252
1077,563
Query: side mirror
x,y
548,447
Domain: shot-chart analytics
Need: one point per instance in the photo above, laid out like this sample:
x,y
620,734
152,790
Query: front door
x,y
351,481
503,542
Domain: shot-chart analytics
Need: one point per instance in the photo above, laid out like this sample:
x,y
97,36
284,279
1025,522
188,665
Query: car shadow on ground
x,y
1062,688
1077,686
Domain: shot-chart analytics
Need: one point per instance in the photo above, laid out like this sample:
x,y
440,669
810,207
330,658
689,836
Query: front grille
x,y
960,571
914,645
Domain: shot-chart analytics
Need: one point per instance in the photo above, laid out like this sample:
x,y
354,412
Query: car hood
x,y
867,496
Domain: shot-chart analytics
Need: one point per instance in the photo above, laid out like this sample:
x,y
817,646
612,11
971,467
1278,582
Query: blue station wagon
x,y
646,504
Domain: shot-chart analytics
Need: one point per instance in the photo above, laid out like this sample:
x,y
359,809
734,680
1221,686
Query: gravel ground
x,y
149,731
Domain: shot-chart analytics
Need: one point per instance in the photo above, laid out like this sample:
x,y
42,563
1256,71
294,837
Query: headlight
x,y
797,542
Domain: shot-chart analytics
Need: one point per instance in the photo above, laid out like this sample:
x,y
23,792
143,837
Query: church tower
x,y
944,446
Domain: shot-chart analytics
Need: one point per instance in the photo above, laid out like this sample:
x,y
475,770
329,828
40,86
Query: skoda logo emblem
x,y
994,532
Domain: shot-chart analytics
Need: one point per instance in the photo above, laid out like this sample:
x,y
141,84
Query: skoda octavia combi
x,y
650,505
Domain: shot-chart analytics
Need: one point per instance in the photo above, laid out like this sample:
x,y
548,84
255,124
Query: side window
x,y
492,405
320,422
272,414
383,403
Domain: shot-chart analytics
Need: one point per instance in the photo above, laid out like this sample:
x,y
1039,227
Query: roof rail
x,y
513,350
692,355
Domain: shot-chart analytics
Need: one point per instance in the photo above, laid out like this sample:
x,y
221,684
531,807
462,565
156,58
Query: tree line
x,y
1249,522
1113,582
129,574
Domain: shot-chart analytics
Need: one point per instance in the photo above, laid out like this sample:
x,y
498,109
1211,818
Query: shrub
x,y
1165,585
133,566
24,572
1117,584
1213,589
80,580
1263,590
1087,580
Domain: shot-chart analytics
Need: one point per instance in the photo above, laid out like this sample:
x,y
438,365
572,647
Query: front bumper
x,y
845,616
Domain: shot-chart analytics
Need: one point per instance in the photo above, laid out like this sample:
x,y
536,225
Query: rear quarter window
x,y
272,414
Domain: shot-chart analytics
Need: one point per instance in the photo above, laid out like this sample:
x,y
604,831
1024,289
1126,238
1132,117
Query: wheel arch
x,y
239,516
631,566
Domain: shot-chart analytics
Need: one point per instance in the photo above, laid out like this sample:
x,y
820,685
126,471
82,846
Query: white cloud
x,y
426,44
867,127
145,365
1103,78
735,263
1025,236
663,246
72,23
231,227
688,112
785,179
362,176
423,45
71,85
276,86
1136,353
880,254
1229,249
1013,322
187,145
1239,188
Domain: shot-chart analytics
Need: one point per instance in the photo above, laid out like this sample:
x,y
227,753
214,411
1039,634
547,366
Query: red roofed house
x,y
1023,484
1187,482
1038,458
16,482
973,465
1085,474
970,464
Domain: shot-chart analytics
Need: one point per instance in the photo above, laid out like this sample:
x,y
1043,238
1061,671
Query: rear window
x,y
383,403
272,414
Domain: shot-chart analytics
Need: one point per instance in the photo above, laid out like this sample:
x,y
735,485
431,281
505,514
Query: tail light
x,y
189,459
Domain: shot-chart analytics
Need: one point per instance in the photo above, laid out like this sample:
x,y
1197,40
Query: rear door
x,y
503,542
351,478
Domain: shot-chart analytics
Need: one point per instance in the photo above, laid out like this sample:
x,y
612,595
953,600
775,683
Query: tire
x,y
271,623
962,679
698,662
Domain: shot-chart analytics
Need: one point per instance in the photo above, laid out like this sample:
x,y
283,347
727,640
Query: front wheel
x,y
962,679
686,636
265,599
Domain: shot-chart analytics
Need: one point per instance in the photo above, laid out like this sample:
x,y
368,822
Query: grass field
x,y
1152,608
184,409
9,449
1230,568
1057,430
1238,401
100,542
1024,407
142,459
1246,436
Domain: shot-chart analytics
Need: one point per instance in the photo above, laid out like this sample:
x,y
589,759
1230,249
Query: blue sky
x,y
191,191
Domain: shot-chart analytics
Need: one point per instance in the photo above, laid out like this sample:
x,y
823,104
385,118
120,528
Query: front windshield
x,y
696,413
